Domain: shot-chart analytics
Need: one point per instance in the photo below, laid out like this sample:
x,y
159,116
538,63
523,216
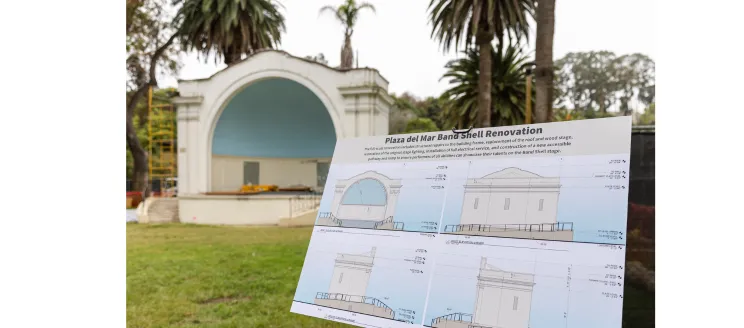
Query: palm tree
x,y
478,21
230,28
507,91
347,14
544,60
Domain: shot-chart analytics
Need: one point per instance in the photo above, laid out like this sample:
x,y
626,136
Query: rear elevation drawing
x,y
512,203
502,300
365,201
348,287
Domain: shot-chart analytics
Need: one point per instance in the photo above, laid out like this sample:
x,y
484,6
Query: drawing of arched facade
x,y
512,203
348,288
503,300
367,200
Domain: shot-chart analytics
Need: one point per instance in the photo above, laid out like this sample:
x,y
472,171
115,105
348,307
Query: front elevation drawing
x,y
512,203
503,300
348,289
365,201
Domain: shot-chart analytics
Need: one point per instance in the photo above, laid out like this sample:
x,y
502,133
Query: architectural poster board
x,y
508,227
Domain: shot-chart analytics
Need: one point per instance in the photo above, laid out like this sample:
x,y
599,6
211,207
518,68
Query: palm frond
x,y
508,92
230,27
457,22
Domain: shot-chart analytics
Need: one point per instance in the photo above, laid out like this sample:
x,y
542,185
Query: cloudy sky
x,y
397,40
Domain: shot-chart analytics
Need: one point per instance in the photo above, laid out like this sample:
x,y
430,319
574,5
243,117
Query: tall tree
x,y
544,61
230,28
347,14
508,91
598,81
635,75
150,37
477,22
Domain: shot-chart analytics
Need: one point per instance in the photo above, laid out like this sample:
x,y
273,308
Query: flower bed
x,y
133,199
641,218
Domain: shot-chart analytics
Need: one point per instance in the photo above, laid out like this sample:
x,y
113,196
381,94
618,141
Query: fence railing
x,y
155,185
538,227
396,225
329,215
355,299
303,203
463,317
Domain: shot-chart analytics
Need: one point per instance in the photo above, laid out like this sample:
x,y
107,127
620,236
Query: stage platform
x,y
268,208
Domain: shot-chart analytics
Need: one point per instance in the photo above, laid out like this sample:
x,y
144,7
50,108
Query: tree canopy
x,y
230,28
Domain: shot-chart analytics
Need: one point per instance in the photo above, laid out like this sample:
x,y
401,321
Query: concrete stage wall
x,y
285,210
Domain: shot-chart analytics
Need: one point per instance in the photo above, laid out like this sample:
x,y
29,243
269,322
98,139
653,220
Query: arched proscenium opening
x,y
275,131
366,199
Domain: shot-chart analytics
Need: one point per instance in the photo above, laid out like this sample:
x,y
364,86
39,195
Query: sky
x,y
396,40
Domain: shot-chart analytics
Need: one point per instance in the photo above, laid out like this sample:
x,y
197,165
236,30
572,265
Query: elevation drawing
x,y
512,203
502,300
365,201
348,287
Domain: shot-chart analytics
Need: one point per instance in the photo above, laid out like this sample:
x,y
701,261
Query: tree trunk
x,y
347,54
544,61
232,56
484,84
139,155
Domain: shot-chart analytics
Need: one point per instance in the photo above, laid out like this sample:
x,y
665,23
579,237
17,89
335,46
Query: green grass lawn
x,y
204,276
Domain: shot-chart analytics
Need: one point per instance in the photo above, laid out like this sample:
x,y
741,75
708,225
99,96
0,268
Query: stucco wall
x,y
233,210
227,171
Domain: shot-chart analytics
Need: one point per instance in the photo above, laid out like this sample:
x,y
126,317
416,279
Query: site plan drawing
x,y
504,282
512,203
506,227
383,196
502,300
365,201
349,286
563,199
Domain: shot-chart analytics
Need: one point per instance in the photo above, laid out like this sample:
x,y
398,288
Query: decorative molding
x,y
358,90
184,115
188,100
290,56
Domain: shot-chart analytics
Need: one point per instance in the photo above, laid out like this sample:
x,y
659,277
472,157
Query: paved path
x,y
131,215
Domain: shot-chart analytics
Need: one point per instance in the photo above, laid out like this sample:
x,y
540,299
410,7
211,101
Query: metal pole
x,y
148,185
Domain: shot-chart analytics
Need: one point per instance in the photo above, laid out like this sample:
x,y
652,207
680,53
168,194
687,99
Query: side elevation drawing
x,y
512,203
348,287
365,201
503,300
